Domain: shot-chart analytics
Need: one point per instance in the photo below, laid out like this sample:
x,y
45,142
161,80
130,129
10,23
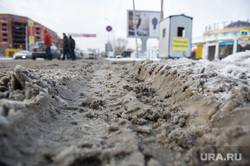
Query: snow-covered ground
x,y
111,112
240,57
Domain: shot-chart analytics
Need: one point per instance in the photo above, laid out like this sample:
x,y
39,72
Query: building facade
x,y
218,43
15,33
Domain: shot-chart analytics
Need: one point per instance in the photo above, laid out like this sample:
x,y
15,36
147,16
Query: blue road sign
x,y
109,28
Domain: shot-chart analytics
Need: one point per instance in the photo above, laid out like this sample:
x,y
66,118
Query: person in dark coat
x,y
72,45
66,50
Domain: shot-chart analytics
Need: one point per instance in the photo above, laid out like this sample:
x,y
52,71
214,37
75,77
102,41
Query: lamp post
x,y
26,38
161,10
135,31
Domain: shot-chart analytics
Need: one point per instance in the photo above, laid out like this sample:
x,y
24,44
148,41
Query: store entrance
x,y
211,52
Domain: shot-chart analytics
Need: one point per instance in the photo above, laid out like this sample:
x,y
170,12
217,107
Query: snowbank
x,y
240,57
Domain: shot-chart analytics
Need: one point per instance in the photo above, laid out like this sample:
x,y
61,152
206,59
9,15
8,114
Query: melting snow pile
x,y
111,113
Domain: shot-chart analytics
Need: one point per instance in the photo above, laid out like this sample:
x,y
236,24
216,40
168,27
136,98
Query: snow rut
x,y
115,113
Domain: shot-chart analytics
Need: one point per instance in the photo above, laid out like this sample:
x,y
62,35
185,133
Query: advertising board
x,y
147,24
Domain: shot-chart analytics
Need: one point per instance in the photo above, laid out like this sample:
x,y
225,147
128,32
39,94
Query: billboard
x,y
31,31
81,35
147,24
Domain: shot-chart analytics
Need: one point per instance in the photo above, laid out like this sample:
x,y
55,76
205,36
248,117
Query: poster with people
x,y
146,24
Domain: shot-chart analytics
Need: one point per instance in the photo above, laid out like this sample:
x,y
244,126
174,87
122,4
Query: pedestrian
x,y
47,43
72,45
65,47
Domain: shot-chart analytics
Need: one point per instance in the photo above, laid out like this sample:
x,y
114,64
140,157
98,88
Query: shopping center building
x,y
218,43
18,32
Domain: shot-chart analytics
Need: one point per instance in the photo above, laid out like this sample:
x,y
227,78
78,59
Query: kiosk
x,y
175,36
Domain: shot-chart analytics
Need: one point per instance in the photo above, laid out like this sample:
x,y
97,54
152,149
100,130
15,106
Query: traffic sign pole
x,y
109,29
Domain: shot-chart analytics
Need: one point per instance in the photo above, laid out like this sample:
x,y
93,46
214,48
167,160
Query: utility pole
x,y
26,38
135,31
161,10
114,42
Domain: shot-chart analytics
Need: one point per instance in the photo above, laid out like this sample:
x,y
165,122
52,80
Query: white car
x,y
118,56
22,55
88,55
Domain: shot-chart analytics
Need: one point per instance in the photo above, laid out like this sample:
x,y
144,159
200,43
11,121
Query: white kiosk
x,y
175,36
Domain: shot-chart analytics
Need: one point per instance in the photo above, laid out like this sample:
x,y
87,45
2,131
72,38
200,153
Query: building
x,y
218,43
175,36
18,32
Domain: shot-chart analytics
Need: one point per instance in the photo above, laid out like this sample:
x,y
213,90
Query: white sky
x,y
92,16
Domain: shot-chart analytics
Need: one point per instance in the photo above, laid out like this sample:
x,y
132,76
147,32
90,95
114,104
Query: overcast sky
x,y
92,16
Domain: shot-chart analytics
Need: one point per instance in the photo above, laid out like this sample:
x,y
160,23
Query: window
x,y
5,40
164,32
181,32
38,38
4,34
3,24
4,29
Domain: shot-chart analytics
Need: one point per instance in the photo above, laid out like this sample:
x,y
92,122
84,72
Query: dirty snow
x,y
103,112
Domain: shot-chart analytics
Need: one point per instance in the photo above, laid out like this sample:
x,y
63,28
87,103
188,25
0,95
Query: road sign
x,y
244,32
243,43
109,28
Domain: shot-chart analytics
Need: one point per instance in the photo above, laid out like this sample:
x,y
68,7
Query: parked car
x,y
22,55
118,56
111,55
126,53
89,55
78,54
39,51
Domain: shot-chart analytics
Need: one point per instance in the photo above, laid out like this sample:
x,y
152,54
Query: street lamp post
x,y
26,38
161,10
135,31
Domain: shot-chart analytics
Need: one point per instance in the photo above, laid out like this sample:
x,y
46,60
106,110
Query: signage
x,y
226,24
81,35
109,28
31,31
226,43
244,33
146,23
243,43
180,44
31,23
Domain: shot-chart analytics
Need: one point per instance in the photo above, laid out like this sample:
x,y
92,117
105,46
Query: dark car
x,y
39,51
126,53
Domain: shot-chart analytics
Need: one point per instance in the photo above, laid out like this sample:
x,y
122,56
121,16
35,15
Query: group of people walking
x,y
68,46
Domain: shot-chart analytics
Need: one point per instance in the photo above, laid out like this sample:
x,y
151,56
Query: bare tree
x,y
120,45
